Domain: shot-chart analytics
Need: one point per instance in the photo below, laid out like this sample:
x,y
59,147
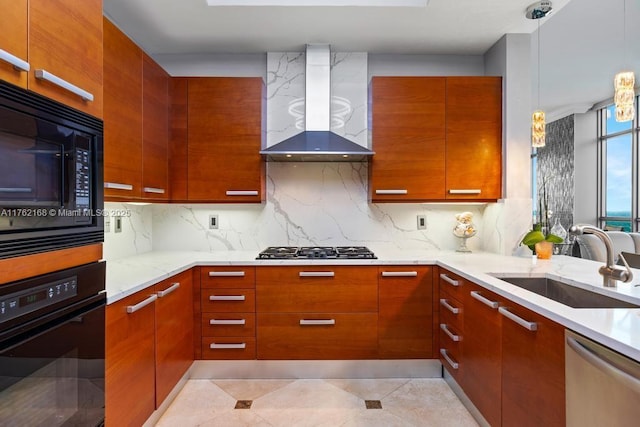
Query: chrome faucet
x,y
610,272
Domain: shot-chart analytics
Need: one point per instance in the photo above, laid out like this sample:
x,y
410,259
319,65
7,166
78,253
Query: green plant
x,y
536,235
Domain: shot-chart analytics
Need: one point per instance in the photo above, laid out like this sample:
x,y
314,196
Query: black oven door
x,y
53,375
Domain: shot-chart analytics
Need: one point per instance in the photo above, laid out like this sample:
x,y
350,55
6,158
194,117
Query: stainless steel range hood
x,y
317,143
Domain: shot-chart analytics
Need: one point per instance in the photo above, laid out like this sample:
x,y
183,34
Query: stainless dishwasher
x,y
602,386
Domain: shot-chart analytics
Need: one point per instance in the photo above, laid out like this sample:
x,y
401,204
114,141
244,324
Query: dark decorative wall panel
x,y
555,165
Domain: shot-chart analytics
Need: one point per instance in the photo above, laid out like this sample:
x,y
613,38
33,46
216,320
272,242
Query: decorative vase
x,y
464,229
544,250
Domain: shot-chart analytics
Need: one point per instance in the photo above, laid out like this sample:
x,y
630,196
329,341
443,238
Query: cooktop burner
x,y
318,252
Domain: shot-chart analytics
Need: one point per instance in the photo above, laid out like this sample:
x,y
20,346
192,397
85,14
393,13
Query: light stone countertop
x,y
617,328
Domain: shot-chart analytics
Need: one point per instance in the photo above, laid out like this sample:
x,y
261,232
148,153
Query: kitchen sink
x,y
567,294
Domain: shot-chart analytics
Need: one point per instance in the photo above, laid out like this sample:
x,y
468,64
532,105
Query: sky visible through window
x,y
619,163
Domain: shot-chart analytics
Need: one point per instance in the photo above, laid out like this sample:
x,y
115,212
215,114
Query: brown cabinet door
x,y
174,332
14,24
224,140
122,115
130,362
240,277
482,352
405,314
474,138
408,137
533,383
65,39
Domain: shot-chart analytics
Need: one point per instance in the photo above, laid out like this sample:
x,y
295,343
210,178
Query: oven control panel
x,y
23,302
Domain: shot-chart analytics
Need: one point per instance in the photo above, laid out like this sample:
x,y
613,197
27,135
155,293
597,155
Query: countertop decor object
x,y
464,229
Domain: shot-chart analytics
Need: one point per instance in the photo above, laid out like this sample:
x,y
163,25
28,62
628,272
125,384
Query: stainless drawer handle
x,y
17,63
465,191
227,321
451,335
52,78
477,295
391,192
241,193
449,280
449,360
317,322
316,274
218,346
170,289
226,298
445,304
532,326
399,274
118,186
153,190
138,306
226,274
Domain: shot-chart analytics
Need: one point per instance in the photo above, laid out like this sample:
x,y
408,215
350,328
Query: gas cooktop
x,y
317,252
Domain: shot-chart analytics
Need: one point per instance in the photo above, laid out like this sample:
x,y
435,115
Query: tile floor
x,y
314,402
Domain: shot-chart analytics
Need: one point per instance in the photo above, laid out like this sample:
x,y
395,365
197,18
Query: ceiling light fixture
x,y
537,11
321,3
624,82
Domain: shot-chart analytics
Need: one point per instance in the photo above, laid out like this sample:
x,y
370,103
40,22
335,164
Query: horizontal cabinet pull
x,y
451,335
465,191
17,63
477,295
153,190
227,298
118,186
317,322
226,274
52,78
445,304
222,346
316,274
391,192
242,193
449,360
227,321
399,274
449,280
16,190
531,326
170,289
138,306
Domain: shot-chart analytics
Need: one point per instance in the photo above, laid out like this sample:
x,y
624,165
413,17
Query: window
x,y
618,171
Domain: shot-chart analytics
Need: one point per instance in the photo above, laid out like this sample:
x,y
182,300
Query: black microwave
x,y
51,179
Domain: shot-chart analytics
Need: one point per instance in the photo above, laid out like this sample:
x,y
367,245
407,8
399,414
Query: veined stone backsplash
x,y
307,204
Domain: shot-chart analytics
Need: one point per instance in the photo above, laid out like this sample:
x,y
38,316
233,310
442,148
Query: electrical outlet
x,y
422,222
117,224
107,224
213,221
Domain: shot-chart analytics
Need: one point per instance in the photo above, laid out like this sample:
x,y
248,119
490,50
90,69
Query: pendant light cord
x,y
539,76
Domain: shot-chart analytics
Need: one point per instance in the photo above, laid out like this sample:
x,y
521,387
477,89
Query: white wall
x,y
585,165
425,65
218,65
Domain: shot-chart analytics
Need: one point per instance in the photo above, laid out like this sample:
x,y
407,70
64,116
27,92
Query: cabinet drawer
x,y
451,352
227,277
228,300
317,336
314,289
451,311
451,283
228,348
228,325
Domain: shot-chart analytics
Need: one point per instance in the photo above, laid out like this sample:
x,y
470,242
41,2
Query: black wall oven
x,y
51,182
52,347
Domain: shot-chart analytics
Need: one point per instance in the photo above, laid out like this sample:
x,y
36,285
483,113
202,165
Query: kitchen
x,y
309,204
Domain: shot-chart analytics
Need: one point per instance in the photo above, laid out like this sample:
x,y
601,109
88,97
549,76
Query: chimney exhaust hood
x,y
317,143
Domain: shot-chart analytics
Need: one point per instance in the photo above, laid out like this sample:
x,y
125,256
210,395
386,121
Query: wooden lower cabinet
x,y
533,380
451,332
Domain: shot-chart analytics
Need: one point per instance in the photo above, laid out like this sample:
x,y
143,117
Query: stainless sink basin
x,y
566,294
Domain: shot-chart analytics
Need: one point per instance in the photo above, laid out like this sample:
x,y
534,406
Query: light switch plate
x,y
422,222
117,224
107,224
213,221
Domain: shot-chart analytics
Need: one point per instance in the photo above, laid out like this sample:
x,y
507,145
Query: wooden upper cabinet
x,y
14,24
474,138
65,40
155,130
224,138
408,137
122,115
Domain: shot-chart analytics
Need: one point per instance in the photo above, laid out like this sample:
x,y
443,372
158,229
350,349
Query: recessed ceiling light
x,y
321,3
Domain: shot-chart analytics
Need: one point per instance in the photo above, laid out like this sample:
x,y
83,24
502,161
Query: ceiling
x,y
578,41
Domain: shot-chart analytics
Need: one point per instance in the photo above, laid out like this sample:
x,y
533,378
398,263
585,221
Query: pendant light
x,y
537,11
624,82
